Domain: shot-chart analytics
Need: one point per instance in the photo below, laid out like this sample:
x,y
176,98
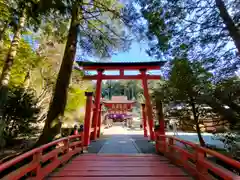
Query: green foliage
x,y
195,28
76,98
20,113
26,60
103,25
231,143
188,79
131,89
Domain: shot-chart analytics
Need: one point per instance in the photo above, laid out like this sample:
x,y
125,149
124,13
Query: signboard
x,y
118,106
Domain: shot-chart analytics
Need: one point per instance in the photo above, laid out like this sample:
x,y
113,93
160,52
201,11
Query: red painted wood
x,y
144,117
35,166
116,168
122,178
124,166
112,158
121,67
120,164
87,119
148,104
99,121
117,77
97,102
199,169
116,106
107,172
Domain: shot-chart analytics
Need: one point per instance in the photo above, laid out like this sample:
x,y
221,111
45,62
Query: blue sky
x,y
136,53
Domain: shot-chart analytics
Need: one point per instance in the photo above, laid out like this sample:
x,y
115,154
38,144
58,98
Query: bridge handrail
x,y
69,148
195,162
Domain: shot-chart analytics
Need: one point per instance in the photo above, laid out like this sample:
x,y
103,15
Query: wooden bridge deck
x,y
119,159
119,167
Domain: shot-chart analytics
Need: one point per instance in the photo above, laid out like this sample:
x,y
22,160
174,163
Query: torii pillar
x,y
99,121
97,102
87,119
148,103
144,122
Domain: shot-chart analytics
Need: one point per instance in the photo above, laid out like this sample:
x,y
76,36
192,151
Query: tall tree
x,y
20,11
98,26
186,83
206,30
230,23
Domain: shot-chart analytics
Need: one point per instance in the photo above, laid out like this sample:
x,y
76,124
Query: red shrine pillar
x,y
99,121
97,102
92,124
148,103
87,119
144,121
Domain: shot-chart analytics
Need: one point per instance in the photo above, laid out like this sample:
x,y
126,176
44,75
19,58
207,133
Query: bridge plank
x,y
107,172
118,163
121,178
112,158
116,167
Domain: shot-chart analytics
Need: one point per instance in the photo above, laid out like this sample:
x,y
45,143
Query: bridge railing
x,y
197,160
39,162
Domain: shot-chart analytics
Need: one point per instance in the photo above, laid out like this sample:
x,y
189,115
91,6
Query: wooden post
x,y
37,159
97,102
144,121
87,120
170,152
99,121
202,171
148,103
92,123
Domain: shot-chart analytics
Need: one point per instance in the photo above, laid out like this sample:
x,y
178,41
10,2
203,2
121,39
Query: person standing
x,y
175,129
74,131
81,128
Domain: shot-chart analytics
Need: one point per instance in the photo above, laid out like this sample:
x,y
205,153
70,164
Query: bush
x,y
20,113
230,141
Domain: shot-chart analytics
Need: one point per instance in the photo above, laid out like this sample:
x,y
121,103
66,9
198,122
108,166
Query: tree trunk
x,y
228,21
195,116
53,123
5,76
159,109
27,79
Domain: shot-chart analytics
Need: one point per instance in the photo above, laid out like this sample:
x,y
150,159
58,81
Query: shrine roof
x,y
118,102
116,65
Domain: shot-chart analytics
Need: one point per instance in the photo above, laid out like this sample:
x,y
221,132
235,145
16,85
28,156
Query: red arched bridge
x,y
65,158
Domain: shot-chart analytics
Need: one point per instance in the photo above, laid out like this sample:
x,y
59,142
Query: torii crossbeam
x,y
116,66
142,67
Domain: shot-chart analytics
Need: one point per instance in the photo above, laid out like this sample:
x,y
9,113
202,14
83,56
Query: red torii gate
x,y
142,67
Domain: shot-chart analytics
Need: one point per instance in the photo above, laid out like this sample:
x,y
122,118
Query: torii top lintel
x,y
152,65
